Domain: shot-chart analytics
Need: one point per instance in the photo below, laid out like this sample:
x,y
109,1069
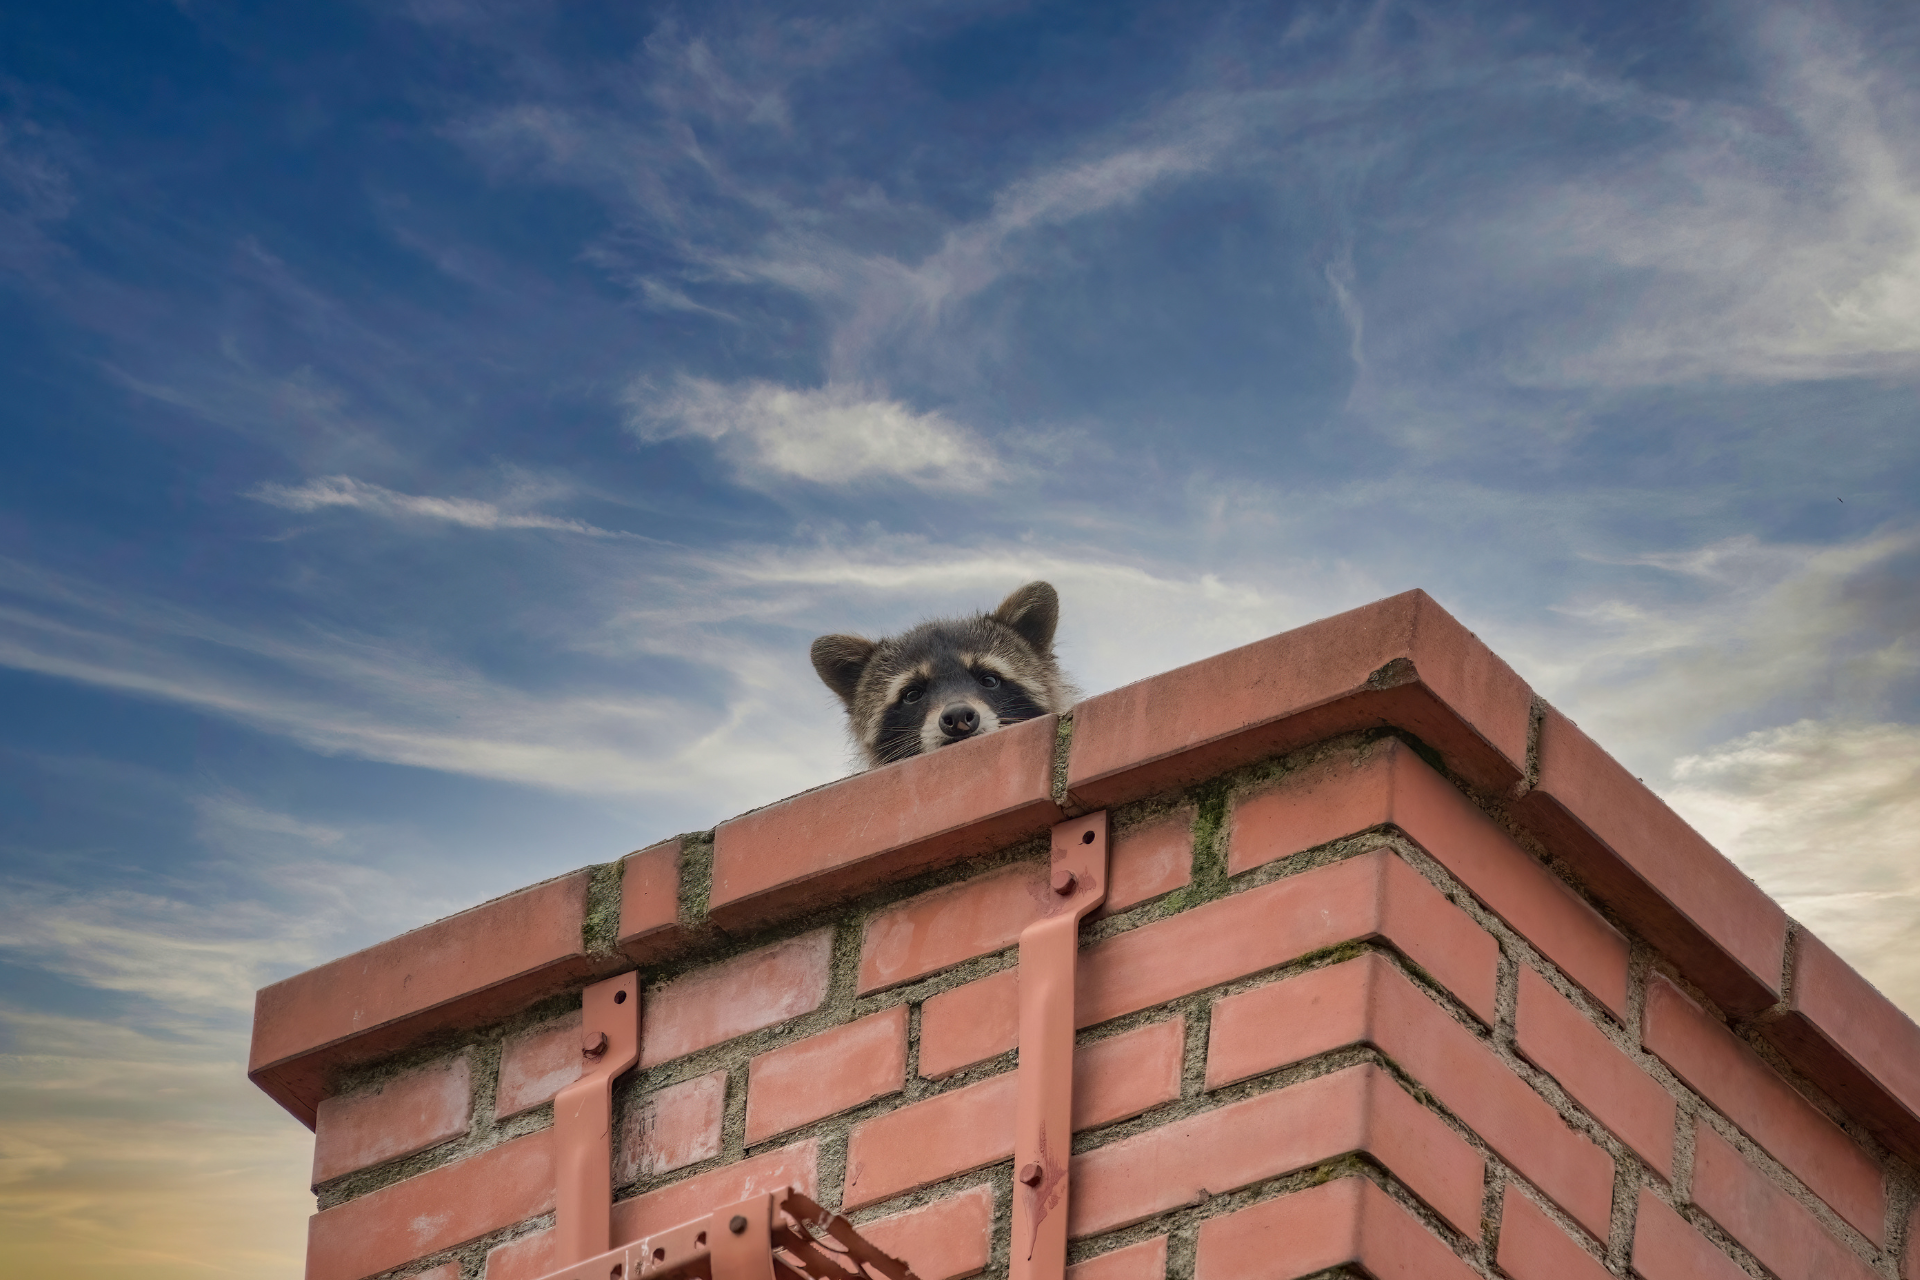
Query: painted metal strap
x,y
583,1118
1043,1116
776,1235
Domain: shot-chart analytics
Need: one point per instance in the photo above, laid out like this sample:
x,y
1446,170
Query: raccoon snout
x,y
959,719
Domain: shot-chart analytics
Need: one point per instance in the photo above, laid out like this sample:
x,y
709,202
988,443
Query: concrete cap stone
x,y
1403,661
862,832
461,971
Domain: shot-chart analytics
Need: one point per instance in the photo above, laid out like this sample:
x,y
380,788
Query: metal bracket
x,y
583,1118
770,1236
1043,1114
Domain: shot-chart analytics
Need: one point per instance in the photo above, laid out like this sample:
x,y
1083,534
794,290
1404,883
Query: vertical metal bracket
x,y
1043,1115
583,1118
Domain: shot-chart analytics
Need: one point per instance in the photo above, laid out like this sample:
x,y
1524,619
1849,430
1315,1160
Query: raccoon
x,y
948,680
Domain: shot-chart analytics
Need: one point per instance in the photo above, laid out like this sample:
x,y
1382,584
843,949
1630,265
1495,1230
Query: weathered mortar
x,y
1213,803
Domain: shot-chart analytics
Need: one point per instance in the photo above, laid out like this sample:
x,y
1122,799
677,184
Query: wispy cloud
x,y
200,961
1823,814
832,435
1735,634
1773,243
125,1149
471,513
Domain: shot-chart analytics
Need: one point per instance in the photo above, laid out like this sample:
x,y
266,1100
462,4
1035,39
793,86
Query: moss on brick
x,y
600,927
696,877
1062,754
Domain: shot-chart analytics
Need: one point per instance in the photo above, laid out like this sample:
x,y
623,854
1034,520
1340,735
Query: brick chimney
x,y
1398,974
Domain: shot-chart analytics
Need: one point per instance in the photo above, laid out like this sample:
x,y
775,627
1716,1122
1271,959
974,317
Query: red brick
x,y
963,1129
672,1128
1358,1109
528,1258
1742,1087
924,1142
1666,1247
1338,1224
435,1210
875,827
1656,871
409,1113
650,902
458,972
1367,1000
1373,895
734,997
1401,661
945,1240
1853,1041
831,1072
1910,1263
953,923
1788,1240
537,1064
1557,1038
445,1271
970,1024
1144,1261
643,1215
1388,784
1533,1247
1147,861
1126,1074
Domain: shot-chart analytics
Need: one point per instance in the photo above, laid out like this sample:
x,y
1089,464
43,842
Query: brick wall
x,y
1399,975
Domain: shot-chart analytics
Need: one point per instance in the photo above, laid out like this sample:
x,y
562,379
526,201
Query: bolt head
x,y
1031,1173
737,1224
1064,881
593,1043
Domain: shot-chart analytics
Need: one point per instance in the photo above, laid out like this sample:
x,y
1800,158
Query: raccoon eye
x,y
988,680
911,695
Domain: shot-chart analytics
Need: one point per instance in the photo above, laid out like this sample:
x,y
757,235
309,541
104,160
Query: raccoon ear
x,y
840,660
1033,612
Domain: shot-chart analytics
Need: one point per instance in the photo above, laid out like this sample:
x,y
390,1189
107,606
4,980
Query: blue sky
x,y
433,432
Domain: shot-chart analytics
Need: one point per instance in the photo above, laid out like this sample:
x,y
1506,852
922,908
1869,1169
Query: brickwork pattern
x,y
1321,1048
1402,977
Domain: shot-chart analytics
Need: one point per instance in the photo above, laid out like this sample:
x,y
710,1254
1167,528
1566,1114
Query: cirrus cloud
x,y
471,513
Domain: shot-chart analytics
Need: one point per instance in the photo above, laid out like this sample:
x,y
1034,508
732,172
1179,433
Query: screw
x,y
1063,881
737,1224
593,1043
1031,1173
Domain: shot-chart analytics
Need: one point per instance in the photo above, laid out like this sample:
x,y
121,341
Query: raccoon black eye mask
x,y
950,679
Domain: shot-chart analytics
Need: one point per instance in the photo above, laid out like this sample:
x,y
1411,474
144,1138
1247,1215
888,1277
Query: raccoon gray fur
x,y
948,680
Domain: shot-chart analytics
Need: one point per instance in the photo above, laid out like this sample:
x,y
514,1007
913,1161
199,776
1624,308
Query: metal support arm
x,y
1043,1117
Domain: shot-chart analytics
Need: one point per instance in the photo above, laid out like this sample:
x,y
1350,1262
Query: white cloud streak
x,y
1735,630
470,513
832,435
1776,244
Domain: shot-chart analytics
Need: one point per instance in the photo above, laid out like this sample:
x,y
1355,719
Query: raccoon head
x,y
948,680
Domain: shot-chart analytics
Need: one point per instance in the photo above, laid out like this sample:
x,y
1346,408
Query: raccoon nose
x,y
958,720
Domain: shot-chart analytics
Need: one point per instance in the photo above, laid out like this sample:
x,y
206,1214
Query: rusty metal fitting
x,y
1031,1173
737,1223
593,1043
1064,881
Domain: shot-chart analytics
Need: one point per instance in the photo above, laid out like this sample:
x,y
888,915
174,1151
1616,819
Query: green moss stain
x,y
1209,848
696,877
1062,754
600,927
